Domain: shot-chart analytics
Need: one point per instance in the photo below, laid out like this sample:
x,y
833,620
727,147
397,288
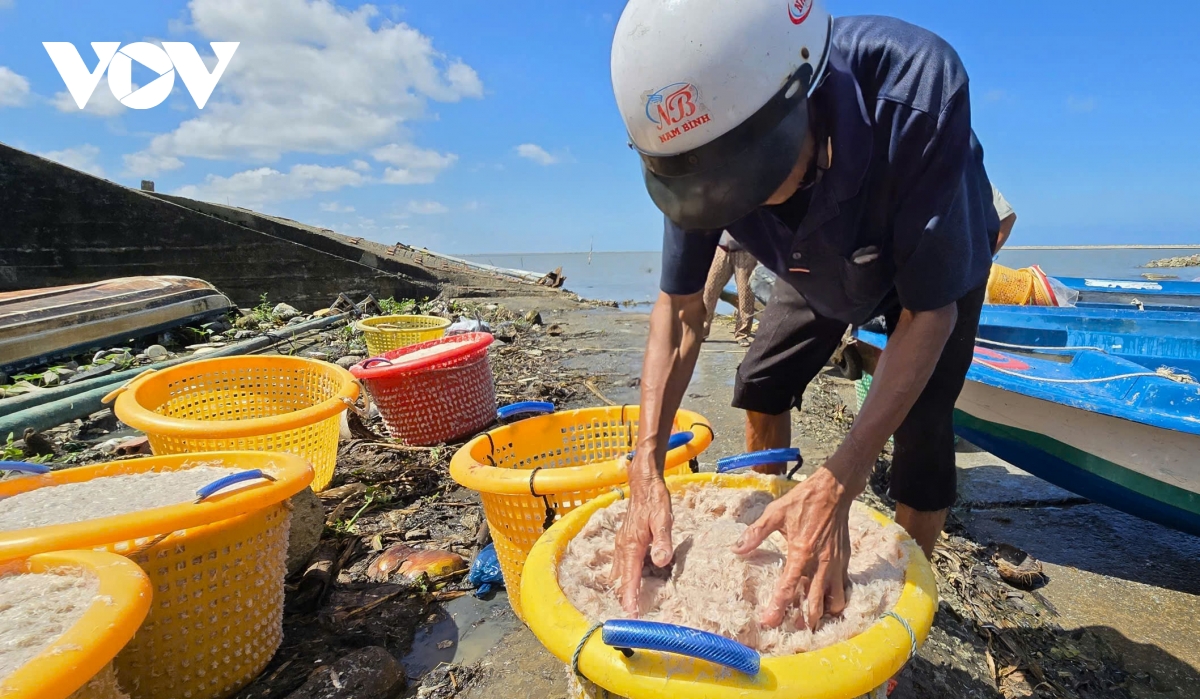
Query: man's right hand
x,y
647,527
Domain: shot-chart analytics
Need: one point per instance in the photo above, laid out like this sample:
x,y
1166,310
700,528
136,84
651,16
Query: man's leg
x,y
792,345
924,480
743,267
718,277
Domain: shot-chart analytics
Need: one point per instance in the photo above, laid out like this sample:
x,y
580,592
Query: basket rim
x,y
494,480
110,621
470,343
367,324
132,412
292,474
850,668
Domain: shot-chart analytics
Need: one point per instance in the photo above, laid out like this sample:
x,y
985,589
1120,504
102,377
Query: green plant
x,y
12,452
403,307
263,311
374,496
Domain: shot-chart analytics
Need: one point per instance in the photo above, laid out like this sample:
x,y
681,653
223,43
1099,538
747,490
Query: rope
x,y
549,509
1162,373
146,546
912,637
1035,348
619,491
579,648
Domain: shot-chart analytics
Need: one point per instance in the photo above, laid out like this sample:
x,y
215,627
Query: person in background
x,y
731,260
1008,218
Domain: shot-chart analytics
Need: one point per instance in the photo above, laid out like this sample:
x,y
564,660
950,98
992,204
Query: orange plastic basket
x,y
384,333
260,403
531,473
216,567
85,651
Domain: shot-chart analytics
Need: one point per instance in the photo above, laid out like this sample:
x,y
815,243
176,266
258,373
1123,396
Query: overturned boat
x,y
37,325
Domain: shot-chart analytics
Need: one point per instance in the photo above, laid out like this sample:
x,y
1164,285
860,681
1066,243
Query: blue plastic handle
x,y
529,407
24,467
669,638
674,442
757,458
222,483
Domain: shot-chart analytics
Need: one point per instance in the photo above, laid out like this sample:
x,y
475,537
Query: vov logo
x,y
173,57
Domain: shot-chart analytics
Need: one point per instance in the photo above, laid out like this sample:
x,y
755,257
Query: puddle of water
x,y
468,629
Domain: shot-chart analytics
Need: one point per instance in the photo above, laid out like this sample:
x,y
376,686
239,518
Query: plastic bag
x,y
467,325
485,572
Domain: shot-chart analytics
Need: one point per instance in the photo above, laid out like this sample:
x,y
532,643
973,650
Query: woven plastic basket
x,y
532,472
433,392
216,566
78,664
260,403
857,667
384,333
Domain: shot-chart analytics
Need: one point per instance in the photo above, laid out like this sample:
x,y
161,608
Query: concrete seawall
x,y
60,226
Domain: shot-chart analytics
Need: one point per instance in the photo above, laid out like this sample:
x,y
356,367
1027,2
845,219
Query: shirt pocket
x,y
867,277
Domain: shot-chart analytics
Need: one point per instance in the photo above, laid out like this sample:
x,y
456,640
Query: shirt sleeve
x,y
686,258
1003,208
934,234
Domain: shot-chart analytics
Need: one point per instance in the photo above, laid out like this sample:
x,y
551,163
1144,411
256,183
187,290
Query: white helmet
x,y
714,94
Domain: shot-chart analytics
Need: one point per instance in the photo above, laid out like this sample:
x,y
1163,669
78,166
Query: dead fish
x,y
432,562
389,561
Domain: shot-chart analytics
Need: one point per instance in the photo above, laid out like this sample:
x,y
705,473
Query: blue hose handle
x,y
222,483
757,458
669,638
529,407
674,442
24,467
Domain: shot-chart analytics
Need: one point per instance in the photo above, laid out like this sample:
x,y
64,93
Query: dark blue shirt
x,y
904,209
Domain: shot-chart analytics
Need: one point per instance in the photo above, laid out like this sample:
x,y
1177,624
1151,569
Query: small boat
x,y
37,325
1137,293
1094,401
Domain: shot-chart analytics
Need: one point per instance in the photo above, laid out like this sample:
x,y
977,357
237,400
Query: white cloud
x,y
336,208
536,153
427,207
101,103
148,164
360,165
1081,105
254,188
471,206
314,77
14,88
82,158
413,165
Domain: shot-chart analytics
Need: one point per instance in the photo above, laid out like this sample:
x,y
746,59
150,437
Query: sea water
x,y
633,276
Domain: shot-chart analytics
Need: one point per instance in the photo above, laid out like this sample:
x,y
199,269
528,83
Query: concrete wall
x,y
60,226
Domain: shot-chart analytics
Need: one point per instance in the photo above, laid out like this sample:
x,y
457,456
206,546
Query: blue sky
x,y
491,127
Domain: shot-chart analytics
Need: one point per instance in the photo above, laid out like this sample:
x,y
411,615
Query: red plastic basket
x,y
433,392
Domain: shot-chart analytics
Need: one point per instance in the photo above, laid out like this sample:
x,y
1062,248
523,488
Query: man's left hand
x,y
814,518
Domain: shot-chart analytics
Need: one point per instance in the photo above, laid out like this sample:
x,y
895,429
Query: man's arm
x,y
676,332
1006,226
814,516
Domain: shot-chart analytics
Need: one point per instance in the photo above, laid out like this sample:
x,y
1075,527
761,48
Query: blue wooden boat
x,y
1094,400
1137,293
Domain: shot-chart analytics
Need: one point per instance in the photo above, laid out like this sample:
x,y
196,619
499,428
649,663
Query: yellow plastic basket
x,y
216,567
539,469
852,668
84,652
385,333
267,403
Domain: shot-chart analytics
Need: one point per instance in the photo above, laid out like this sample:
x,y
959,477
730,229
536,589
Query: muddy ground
x,y
1112,613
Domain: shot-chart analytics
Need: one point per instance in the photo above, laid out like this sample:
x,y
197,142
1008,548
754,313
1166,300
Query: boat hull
x,y
1146,471
40,324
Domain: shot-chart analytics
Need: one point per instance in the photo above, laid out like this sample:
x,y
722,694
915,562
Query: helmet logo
x,y
798,10
675,109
